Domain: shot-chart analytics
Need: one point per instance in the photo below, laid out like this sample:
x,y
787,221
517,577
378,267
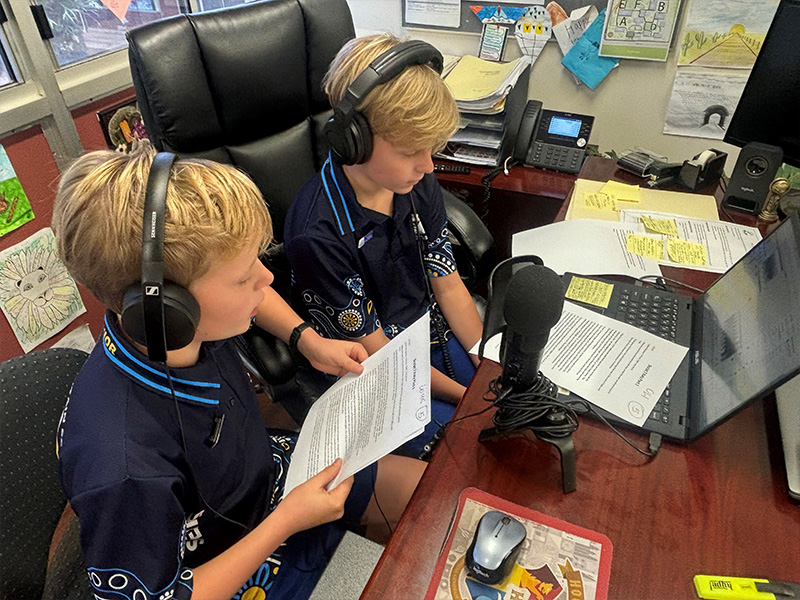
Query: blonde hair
x,y
414,110
214,212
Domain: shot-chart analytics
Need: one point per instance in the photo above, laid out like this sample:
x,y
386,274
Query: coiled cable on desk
x,y
486,180
519,410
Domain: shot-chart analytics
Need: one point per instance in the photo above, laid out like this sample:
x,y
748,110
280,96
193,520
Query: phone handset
x,y
527,128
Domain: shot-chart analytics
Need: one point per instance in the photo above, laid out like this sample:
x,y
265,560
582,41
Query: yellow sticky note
x,y
645,246
662,226
687,253
590,291
622,191
600,201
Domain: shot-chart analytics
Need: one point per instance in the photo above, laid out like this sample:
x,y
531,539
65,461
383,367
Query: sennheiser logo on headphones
x,y
153,217
151,290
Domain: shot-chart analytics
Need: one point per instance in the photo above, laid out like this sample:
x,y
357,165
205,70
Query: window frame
x,y
45,93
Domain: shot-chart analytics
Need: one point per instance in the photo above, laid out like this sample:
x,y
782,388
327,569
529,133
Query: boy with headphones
x,y
162,453
367,237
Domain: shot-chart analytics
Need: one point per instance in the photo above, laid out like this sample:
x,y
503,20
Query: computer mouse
x,y
495,547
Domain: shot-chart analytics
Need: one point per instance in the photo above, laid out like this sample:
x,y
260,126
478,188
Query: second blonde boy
x,y
352,237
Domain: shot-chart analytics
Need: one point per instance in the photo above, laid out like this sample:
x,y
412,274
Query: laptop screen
x,y
751,327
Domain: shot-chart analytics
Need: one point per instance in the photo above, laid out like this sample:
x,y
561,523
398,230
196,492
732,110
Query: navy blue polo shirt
x,y
144,525
356,270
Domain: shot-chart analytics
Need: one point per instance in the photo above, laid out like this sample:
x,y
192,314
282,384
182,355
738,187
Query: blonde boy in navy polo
x,y
350,233
171,504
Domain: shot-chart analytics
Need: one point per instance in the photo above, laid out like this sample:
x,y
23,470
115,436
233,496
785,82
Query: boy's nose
x,y
266,277
426,163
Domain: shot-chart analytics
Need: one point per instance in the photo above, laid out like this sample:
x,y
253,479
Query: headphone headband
x,y
155,210
385,67
160,314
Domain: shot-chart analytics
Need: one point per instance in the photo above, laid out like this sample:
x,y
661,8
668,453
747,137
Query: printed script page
x,y
365,417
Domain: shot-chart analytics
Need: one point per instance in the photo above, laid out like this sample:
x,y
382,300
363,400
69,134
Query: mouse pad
x,y
558,561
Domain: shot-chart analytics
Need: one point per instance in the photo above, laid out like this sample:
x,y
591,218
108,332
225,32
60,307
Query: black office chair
x,y
33,391
243,86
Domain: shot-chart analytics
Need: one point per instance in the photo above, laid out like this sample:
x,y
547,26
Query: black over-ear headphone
x,y
159,314
347,131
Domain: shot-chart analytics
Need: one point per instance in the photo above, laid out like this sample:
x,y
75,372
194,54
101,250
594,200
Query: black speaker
x,y
755,169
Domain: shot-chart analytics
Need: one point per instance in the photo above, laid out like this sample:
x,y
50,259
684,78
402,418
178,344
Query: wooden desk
x,y
525,198
529,197
718,506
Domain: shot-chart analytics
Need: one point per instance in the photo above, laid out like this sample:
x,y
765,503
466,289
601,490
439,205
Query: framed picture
x,y
121,124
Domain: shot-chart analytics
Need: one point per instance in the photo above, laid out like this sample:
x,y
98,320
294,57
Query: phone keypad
x,y
559,158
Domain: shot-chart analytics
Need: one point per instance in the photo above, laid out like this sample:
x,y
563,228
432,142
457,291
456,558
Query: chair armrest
x,y
477,244
269,355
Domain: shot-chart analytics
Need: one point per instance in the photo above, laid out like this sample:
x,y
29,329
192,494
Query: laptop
x,y
787,398
743,335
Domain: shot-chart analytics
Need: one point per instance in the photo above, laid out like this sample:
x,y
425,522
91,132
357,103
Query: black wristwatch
x,y
295,338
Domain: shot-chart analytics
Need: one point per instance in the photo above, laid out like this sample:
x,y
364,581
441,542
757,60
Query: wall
x,y
33,162
629,106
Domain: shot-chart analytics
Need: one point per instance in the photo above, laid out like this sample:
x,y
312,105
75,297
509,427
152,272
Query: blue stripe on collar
x,y
142,365
329,164
346,210
114,347
153,384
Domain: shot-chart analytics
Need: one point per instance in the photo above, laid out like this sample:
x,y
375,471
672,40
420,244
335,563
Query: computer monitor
x,y
768,109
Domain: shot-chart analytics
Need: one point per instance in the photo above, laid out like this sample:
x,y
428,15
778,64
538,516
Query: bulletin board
x,y
472,24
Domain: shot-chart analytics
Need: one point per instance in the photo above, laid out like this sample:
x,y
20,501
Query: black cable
x,y
378,504
438,318
486,180
521,409
189,462
675,282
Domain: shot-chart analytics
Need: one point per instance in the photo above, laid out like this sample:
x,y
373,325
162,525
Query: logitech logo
x,y
478,570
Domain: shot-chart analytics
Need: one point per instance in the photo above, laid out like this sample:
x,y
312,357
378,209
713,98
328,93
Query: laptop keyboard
x,y
658,314
650,311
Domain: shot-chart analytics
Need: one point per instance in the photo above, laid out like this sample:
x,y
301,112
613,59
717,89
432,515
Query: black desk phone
x,y
551,139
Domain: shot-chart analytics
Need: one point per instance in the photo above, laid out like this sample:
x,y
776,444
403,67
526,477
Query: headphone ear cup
x,y
362,136
181,315
339,137
133,313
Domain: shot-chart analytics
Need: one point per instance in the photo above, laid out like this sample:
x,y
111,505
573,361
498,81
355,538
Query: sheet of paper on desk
x,y
725,242
363,418
698,206
587,247
614,365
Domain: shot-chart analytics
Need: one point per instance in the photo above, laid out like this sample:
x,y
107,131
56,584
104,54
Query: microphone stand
x,y
543,428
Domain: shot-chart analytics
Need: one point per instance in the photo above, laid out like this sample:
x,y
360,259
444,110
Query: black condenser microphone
x,y
533,305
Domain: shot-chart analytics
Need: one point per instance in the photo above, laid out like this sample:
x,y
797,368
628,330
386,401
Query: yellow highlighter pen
x,y
714,587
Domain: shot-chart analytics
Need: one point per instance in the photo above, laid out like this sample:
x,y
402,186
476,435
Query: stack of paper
x,y
481,89
481,86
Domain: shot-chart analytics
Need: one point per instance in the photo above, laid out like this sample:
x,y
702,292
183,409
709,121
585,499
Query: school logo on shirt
x,y
194,538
